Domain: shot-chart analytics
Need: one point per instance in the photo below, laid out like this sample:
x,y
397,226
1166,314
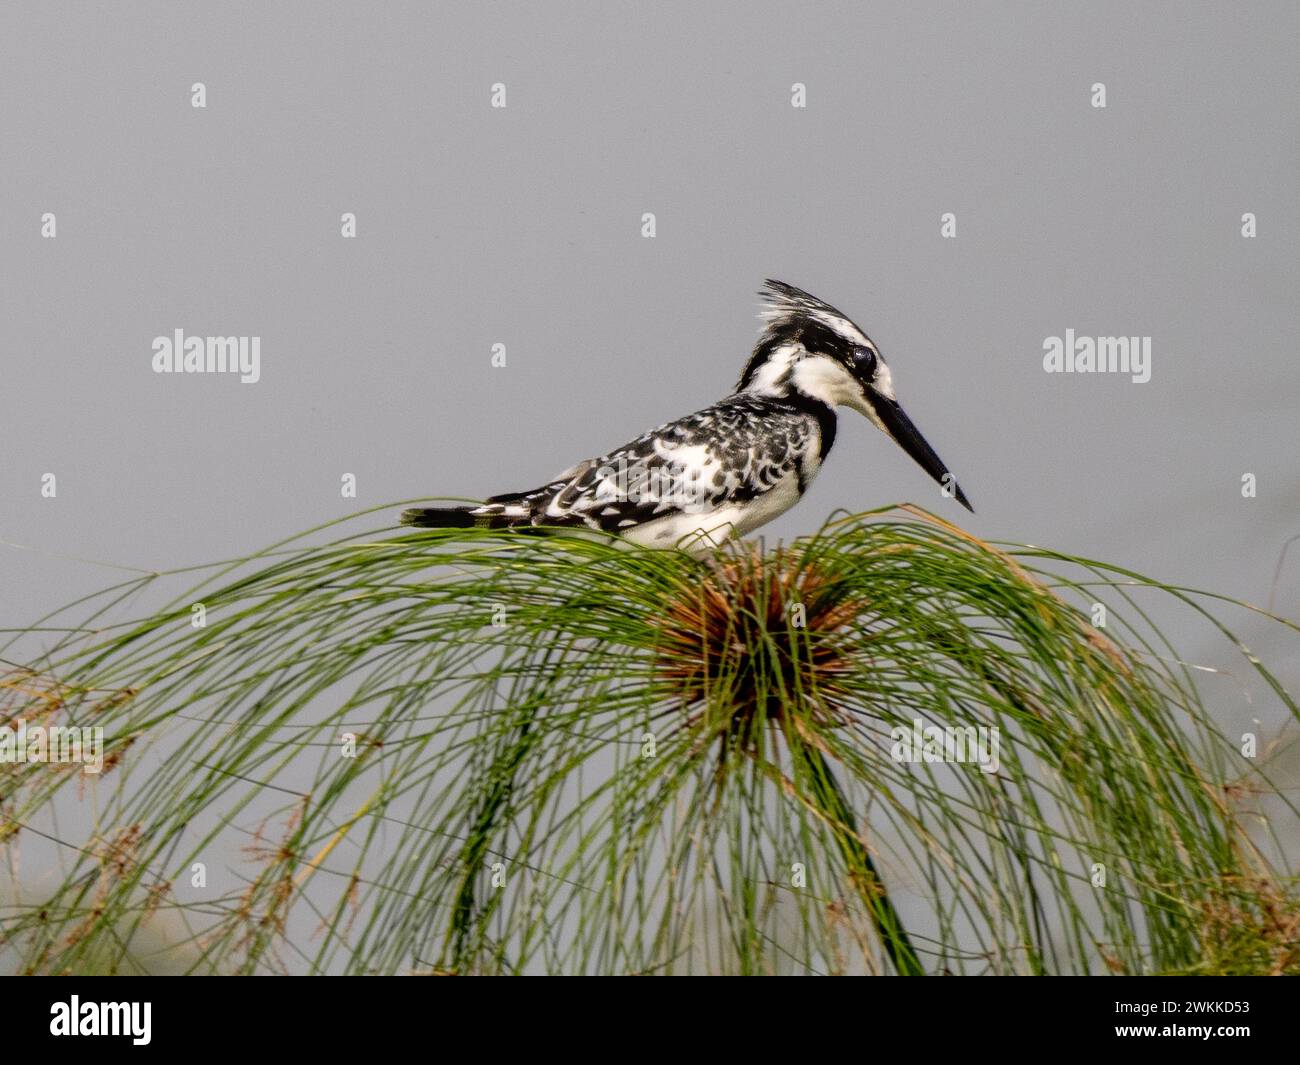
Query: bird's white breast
x,y
699,532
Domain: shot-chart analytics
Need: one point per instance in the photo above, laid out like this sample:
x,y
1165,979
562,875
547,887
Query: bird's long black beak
x,y
909,438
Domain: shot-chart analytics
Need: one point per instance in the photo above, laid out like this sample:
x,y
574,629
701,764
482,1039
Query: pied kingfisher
x,y
725,470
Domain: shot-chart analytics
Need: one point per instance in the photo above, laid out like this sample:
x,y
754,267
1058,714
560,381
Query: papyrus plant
x,y
467,751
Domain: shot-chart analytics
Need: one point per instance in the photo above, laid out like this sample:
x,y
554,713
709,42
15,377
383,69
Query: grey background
x,y
522,226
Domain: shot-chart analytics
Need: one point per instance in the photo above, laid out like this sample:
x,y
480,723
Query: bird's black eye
x,y
864,362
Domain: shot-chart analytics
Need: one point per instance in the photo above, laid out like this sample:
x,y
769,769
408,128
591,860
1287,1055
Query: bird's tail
x,y
500,512
443,518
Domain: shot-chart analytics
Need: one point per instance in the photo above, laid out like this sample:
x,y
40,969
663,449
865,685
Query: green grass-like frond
x,y
572,756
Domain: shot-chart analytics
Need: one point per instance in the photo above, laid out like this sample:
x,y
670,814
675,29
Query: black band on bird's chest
x,y
825,419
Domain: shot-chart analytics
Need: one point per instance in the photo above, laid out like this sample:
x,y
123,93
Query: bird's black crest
x,y
785,303
793,315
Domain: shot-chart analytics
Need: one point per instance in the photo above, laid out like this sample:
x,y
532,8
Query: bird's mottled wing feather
x,y
729,453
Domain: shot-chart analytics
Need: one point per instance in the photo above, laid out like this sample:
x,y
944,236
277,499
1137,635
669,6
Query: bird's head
x,y
808,350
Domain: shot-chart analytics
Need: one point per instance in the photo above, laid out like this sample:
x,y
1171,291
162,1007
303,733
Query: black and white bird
x,y
729,468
